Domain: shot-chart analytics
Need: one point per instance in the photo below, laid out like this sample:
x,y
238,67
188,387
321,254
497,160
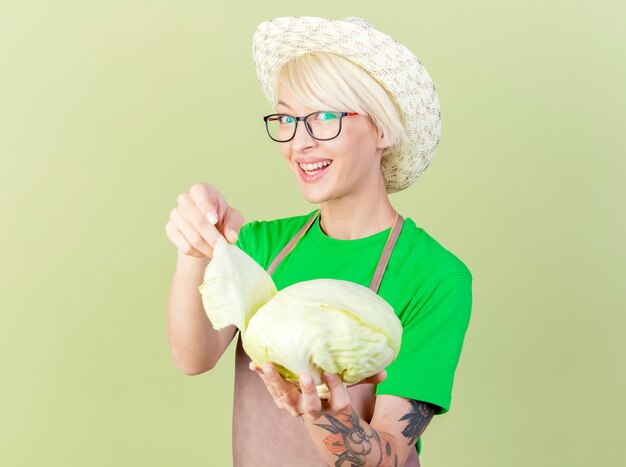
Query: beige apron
x,y
265,436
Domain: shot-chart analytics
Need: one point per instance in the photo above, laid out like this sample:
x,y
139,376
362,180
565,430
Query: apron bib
x,y
252,397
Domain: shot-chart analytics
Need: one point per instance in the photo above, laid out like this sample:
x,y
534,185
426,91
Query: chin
x,y
314,196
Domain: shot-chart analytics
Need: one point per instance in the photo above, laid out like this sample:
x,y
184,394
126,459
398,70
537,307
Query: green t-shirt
x,y
429,288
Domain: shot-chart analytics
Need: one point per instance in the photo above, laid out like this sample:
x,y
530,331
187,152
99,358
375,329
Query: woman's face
x,y
354,155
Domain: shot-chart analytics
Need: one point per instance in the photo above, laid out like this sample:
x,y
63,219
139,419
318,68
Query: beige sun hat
x,y
390,63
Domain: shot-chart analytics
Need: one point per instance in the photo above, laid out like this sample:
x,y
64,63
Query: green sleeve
x,y
432,338
262,240
253,240
249,239
241,237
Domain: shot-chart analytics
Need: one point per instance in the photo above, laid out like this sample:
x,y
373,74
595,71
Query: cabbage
x,y
234,287
312,326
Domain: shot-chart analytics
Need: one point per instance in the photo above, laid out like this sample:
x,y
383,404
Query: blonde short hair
x,y
322,79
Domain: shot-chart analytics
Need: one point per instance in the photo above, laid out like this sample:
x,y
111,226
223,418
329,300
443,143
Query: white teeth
x,y
317,165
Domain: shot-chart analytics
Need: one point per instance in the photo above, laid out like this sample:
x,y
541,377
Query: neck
x,y
350,220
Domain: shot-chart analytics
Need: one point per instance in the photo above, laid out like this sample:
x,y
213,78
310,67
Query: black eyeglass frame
x,y
309,131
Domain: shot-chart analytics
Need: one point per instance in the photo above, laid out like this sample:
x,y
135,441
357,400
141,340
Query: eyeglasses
x,y
322,125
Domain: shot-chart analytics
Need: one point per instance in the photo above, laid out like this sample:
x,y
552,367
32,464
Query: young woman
x,y
356,117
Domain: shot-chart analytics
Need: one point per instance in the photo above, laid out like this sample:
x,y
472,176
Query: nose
x,y
302,140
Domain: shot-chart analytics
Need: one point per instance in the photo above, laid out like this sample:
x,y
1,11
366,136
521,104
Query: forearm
x,y
348,440
192,339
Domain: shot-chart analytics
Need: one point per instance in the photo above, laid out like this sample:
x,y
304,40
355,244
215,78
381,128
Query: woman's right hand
x,y
202,215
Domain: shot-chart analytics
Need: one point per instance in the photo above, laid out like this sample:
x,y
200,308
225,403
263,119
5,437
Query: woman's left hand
x,y
307,403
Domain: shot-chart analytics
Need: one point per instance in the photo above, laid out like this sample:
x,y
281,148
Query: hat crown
x,y
358,21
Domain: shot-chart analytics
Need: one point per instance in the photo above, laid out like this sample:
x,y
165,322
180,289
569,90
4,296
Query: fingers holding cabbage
x,y
201,216
312,326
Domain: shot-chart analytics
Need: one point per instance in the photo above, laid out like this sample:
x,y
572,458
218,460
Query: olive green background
x,y
110,109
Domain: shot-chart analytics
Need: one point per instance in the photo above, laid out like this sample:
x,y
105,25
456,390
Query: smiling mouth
x,y
312,169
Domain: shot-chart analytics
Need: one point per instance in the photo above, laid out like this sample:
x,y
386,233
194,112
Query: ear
x,y
382,141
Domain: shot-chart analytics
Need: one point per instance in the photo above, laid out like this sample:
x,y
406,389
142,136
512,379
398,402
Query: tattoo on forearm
x,y
420,415
389,456
353,442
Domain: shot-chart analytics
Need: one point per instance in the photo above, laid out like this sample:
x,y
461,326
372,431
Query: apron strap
x,y
382,262
287,249
384,257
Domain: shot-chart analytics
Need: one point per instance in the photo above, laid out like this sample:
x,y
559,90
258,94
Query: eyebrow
x,y
281,102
